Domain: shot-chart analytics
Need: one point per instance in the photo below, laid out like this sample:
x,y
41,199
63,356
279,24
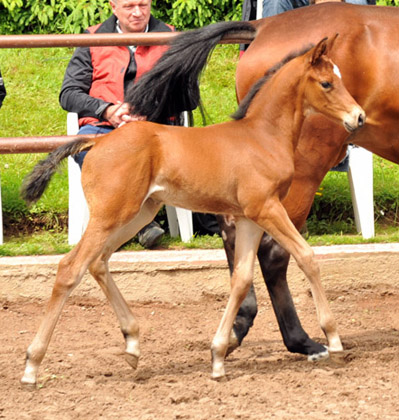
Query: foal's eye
x,y
326,85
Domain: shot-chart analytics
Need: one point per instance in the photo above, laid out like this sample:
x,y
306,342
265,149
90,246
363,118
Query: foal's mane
x,y
246,102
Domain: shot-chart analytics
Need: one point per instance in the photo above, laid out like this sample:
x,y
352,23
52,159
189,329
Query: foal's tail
x,y
172,85
36,182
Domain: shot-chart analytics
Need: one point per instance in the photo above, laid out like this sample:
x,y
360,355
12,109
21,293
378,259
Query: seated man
x,y
97,78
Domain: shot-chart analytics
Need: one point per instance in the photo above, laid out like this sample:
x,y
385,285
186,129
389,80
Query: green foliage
x,y
51,16
185,14
73,16
388,2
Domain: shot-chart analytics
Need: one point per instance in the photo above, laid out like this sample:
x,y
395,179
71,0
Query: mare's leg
x,y
70,272
273,260
100,271
248,237
276,222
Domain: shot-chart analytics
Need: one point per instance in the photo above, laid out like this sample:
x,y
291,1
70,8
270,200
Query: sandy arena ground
x,y
179,304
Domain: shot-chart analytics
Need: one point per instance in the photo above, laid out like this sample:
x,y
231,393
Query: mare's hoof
x,y
132,360
233,343
315,357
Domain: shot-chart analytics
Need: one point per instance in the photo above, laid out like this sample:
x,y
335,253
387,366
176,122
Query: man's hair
x,y
116,1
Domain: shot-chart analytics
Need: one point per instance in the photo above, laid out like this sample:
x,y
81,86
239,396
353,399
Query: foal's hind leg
x,y
248,235
70,272
277,223
100,271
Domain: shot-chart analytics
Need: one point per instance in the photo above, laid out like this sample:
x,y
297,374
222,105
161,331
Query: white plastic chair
x,y
180,220
360,176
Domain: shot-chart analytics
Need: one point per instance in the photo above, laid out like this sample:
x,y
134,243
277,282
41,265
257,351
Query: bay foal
x,y
366,55
243,167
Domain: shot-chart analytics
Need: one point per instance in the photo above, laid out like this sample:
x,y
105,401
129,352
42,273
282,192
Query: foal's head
x,y
325,92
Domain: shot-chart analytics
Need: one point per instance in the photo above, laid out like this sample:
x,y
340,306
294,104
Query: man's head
x,y
133,15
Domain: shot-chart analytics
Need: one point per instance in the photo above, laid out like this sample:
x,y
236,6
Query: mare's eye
x,y
326,85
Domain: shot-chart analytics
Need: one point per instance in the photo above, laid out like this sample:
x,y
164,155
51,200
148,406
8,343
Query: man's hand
x,y
119,114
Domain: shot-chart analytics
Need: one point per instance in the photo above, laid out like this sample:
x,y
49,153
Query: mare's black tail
x,y
36,182
171,86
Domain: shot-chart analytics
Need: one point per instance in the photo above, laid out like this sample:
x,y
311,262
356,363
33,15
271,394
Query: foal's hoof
x,y
28,381
315,357
132,360
28,386
219,379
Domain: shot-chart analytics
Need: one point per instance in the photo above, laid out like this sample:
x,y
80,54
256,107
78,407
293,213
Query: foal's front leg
x,y
276,222
273,261
100,271
129,325
248,235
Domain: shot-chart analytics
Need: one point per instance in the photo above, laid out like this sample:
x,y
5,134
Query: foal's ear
x,y
319,50
323,47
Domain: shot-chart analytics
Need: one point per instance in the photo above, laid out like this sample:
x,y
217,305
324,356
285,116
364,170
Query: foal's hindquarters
x,y
109,227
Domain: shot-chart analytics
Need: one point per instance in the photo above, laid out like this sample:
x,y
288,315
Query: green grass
x,y
218,85
53,243
33,78
43,243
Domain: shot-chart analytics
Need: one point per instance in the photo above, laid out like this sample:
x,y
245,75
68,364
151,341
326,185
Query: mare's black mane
x,y
246,102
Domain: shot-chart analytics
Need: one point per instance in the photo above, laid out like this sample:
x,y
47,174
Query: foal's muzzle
x,y
355,120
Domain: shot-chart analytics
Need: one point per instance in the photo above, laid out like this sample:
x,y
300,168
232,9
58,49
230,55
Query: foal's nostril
x,y
360,121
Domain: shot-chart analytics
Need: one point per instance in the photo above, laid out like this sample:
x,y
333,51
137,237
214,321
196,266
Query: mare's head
x,y
324,90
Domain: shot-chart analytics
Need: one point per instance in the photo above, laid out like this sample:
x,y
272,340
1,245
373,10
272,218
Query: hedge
x,y
73,16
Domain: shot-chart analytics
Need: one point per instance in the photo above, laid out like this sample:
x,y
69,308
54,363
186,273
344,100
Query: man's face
x,y
133,15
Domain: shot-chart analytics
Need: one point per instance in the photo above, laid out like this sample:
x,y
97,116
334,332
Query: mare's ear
x,y
319,50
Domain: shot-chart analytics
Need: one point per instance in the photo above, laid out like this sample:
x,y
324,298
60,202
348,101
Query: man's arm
x,y
74,95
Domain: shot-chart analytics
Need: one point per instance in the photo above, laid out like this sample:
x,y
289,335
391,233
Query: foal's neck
x,y
278,108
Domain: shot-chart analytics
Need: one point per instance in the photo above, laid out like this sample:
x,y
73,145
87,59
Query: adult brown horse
x,y
366,55
203,169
